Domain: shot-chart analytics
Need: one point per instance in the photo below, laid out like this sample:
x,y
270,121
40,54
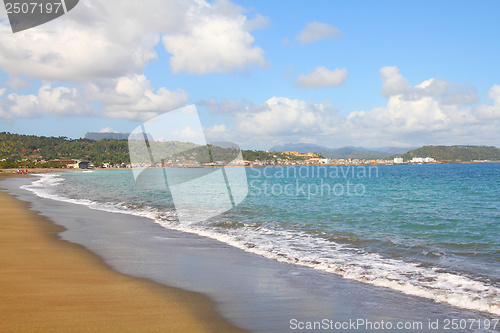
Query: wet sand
x,y
48,284
254,292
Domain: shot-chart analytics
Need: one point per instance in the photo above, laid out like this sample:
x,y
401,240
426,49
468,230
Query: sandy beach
x,y
63,269
48,284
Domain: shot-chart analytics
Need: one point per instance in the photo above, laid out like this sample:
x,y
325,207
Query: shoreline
x,y
51,284
13,171
254,292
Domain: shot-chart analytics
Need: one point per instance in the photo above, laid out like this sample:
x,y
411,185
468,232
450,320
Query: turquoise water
x,y
426,230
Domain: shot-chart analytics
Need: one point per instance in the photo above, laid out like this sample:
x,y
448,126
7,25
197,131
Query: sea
x,y
427,230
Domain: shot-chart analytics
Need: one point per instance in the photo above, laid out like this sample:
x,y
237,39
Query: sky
x,y
261,73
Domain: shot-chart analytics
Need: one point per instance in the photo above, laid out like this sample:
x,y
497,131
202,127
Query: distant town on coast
x,y
112,151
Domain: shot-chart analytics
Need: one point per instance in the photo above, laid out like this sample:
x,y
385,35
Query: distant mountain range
x,y
115,136
345,152
106,135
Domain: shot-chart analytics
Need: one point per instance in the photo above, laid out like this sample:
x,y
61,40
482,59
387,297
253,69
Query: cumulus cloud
x,y
432,112
104,48
447,93
188,134
219,133
492,112
58,101
217,40
393,83
494,94
3,114
322,77
283,116
101,39
314,31
17,83
70,50
132,97
129,97
278,118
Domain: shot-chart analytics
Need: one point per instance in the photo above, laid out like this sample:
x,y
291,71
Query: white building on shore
x,y
422,160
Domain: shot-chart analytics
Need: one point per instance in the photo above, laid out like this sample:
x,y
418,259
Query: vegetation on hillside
x,y
38,151
455,153
252,155
31,150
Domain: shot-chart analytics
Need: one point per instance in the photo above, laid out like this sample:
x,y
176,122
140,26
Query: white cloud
x,y
107,130
4,114
393,83
132,97
16,83
492,112
59,101
104,47
216,129
445,92
217,39
449,93
322,77
188,134
218,133
70,50
432,112
314,31
283,116
494,94
102,40
279,118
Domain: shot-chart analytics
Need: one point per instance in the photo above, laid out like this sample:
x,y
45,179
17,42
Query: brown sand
x,y
47,284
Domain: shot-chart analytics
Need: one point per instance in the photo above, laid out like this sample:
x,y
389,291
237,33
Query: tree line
x,y
18,150
458,153
32,150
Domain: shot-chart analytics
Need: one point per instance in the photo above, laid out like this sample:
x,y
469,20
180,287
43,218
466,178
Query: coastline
x,y
254,292
51,284
13,172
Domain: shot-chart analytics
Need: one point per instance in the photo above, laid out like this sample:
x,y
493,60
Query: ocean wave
x,y
353,263
305,249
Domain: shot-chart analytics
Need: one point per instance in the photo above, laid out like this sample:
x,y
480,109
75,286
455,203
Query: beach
x,y
48,284
254,292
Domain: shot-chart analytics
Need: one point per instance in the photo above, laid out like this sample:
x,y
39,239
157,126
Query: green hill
x,y
37,151
32,149
455,153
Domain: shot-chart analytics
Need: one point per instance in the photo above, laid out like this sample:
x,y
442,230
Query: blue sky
x,y
261,73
